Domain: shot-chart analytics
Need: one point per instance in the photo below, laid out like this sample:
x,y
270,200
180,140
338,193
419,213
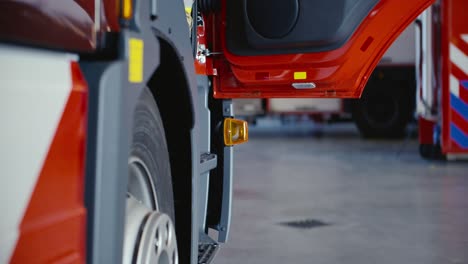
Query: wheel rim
x,y
140,183
157,240
149,234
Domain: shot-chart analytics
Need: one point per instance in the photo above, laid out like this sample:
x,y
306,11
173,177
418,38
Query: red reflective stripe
x,y
457,72
54,225
464,94
454,25
459,121
461,76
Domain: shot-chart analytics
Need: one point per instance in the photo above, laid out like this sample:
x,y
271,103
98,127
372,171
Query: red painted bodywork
x,y
454,24
339,73
66,24
53,229
426,131
204,66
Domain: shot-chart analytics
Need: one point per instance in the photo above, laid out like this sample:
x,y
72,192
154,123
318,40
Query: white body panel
x,y
34,88
425,99
248,107
305,105
403,50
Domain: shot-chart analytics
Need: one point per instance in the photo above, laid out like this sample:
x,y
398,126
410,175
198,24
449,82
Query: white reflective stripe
x,y
465,37
454,86
34,88
459,58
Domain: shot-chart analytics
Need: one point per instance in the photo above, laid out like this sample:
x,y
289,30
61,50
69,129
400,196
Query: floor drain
x,y
305,223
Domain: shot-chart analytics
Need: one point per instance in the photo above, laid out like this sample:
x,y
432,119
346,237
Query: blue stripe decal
x,y
458,136
459,106
464,84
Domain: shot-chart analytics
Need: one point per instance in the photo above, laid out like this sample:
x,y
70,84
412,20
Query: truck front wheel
x,y
149,227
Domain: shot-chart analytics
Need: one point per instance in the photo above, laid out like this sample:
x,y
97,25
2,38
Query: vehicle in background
x,y
442,70
386,107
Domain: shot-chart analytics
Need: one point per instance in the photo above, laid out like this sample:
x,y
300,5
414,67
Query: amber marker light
x,y
127,9
235,131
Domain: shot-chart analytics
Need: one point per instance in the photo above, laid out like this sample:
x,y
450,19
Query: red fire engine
x,y
443,91
384,110
114,150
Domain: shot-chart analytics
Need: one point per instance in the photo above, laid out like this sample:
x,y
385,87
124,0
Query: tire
x,y
149,145
150,194
431,152
383,111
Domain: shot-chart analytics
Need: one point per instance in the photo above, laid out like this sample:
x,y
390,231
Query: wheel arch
x,y
163,44
170,86
173,85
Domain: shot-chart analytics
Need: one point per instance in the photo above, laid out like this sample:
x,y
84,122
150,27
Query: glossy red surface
x,y
53,229
203,64
66,24
338,73
110,20
426,131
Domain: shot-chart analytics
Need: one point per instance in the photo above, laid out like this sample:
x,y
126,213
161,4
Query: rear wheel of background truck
x,y
149,230
385,109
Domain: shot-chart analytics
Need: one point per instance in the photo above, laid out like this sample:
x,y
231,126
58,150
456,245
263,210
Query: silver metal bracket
x,y
228,109
208,161
203,52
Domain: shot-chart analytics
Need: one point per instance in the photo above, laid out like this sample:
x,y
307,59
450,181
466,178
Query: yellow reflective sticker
x,y
135,62
300,75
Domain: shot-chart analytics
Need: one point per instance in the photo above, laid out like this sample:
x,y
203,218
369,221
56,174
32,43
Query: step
x,y
208,161
207,249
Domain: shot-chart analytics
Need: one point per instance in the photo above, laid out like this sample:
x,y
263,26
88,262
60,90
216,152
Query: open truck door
x,y
304,48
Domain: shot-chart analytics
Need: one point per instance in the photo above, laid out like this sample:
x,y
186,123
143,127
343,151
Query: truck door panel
x,y
262,27
305,48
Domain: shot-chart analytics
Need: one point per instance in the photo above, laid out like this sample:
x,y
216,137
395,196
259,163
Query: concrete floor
x,y
379,201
